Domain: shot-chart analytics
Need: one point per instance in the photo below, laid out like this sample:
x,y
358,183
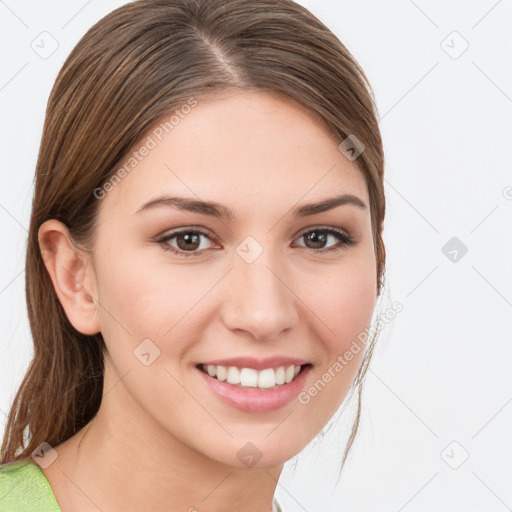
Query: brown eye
x,y
188,240
317,239
187,243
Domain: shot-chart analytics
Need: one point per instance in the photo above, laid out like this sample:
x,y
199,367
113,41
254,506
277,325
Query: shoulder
x,y
275,506
24,488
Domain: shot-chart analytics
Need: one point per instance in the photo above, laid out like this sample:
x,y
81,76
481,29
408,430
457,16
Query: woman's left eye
x,y
319,236
189,241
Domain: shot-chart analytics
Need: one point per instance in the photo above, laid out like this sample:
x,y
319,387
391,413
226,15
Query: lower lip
x,y
255,399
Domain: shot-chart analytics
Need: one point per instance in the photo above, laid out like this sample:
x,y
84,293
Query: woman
x,y
169,377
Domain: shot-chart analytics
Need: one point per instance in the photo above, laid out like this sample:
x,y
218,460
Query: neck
x,y
122,460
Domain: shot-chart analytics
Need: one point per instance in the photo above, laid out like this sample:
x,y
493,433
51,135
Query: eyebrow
x,y
223,212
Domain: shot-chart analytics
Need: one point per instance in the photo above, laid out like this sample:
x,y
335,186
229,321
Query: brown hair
x,y
130,69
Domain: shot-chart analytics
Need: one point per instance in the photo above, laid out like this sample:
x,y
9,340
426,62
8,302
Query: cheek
x,y
344,301
343,309
142,299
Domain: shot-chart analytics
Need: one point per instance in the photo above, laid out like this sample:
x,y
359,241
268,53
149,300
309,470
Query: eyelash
x,y
345,241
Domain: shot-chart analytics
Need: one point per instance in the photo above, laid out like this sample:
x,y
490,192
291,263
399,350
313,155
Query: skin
x,y
162,440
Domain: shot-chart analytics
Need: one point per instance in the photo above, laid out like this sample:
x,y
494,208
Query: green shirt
x,y
24,488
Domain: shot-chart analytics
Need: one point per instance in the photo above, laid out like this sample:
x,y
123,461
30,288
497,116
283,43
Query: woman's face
x,y
265,283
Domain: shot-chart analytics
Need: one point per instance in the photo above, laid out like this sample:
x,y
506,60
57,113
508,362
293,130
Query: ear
x,y
72,274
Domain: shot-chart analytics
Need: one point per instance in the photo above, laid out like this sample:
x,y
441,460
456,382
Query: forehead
x,y
249,148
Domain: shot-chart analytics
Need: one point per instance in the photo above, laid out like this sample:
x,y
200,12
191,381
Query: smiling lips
x,y
254,385
254,373
250,377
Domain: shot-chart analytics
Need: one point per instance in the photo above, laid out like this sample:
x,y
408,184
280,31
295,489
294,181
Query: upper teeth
x,y
249,377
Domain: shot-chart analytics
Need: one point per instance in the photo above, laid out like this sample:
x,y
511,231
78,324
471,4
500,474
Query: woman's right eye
x,y
185,239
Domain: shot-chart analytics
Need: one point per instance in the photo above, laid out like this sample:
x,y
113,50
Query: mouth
x,y
263,390
245,377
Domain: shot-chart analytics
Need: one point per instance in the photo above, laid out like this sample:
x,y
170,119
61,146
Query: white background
x,y
442,373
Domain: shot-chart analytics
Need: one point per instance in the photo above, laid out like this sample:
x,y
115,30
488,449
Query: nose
x,y
259,299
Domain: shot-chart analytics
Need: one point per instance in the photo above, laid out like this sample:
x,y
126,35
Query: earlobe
x,y
72,276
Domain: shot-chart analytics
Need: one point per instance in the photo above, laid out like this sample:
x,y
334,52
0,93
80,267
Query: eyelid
x,y
323,227
185,229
